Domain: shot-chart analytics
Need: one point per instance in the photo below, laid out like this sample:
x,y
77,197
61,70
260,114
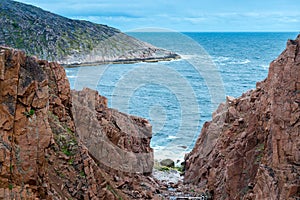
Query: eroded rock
x,y
48,145
250,149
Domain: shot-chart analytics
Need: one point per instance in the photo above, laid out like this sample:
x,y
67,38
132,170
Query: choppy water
x,y
179,96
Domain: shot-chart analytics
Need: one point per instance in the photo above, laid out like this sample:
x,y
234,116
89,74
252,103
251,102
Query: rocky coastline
x,y
168,57
251,148
61,144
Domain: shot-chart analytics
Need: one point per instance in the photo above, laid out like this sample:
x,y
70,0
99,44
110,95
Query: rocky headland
x,y
70,42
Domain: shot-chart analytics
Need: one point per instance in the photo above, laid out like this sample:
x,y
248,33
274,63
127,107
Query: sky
x,y
182,15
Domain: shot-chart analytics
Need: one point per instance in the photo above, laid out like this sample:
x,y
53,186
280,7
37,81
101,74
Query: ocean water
x,y
178,96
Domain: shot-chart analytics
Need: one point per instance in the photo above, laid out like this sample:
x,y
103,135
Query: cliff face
x,y
41,155
251,148
56,38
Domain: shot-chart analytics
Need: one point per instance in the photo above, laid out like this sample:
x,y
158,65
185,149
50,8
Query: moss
x,y
82,174
71,161
29,113
66,151
258,158
164,168
260,147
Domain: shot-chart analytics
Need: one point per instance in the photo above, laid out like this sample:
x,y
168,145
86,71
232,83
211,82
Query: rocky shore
x,y
251,148
61,144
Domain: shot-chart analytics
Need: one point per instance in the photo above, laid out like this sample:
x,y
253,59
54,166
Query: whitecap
x,y
171,137
70,76
220,58
186,57
264,66
157,147
239,62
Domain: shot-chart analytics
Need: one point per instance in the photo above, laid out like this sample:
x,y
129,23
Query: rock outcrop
x,y
56,38
61,144
49,147
106,132
251,148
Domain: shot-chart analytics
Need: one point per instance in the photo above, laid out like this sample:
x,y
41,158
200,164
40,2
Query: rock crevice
x,y
250,150
54,141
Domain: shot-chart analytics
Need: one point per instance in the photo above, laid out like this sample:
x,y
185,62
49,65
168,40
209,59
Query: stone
x,y
167,163
43,154
255,154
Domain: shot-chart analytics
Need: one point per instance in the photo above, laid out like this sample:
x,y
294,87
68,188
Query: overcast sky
x,y
182,15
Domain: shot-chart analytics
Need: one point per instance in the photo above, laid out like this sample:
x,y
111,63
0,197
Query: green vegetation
x,y
260,148
29,113
32,29
10,186
82,174
11,168
66,151
71,161
165,169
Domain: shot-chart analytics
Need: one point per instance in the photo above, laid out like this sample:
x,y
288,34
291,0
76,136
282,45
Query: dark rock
x,y
167,163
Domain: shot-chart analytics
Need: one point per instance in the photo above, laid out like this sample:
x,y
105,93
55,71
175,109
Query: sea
x,y
178,96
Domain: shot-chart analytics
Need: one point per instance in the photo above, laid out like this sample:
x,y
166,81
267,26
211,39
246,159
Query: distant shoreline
x,y
170,57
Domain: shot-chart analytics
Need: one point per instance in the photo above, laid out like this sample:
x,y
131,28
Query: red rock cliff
x,y
41,155
251,148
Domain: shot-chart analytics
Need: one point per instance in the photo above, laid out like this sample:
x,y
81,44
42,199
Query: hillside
x,y
53,37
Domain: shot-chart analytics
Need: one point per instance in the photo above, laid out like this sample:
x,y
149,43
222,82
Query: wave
x,y
157,147
222,60
189,56
241,62
70,76
264,66
171,137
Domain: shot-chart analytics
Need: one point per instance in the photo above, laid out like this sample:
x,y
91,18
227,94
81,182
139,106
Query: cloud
x,y
194,15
